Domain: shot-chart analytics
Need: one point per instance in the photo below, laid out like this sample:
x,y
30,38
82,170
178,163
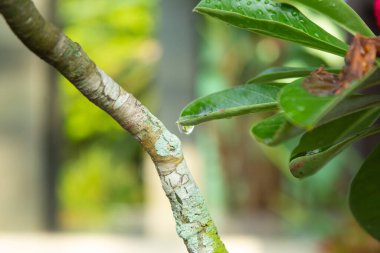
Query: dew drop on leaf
x,y
313,152
271,12
300,108
267,140
185,129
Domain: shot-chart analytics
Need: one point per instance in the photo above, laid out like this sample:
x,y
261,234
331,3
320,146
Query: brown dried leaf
x,y
359,59
321,83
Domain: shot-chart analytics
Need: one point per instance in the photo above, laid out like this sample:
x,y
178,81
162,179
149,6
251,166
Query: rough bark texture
x,y
194,224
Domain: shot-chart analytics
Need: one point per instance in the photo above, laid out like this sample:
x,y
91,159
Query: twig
x,y
193,222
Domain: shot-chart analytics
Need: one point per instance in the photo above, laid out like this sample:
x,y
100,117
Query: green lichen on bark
x,y
212,234
168,145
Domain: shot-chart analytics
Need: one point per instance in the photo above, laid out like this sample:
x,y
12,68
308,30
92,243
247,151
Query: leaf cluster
x,y
327,123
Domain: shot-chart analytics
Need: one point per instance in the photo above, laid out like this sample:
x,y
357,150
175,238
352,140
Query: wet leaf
x,y
365,195
352,104
276,73
323,143
276,129
374,79
305,109
274,19
340,12
231,102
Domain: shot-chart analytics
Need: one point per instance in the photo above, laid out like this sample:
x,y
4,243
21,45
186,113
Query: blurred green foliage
x,y
101,167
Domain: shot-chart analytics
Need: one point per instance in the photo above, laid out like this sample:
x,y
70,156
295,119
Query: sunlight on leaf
x,y
273,19
340,12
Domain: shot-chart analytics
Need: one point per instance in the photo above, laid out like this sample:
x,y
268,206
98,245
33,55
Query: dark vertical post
x,y
176,76
175,83
52,139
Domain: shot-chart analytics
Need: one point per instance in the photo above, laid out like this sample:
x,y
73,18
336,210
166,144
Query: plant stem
x,y
193,221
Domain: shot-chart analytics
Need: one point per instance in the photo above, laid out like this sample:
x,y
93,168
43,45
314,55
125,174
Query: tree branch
x,y
193,222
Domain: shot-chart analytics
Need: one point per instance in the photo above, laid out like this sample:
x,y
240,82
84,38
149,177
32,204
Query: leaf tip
x,y
297,169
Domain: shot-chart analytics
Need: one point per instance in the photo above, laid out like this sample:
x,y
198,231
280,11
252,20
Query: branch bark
x,y
193,221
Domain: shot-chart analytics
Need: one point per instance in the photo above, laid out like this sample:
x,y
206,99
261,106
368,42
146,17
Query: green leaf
x,y
352,104
276,129
374,79
276,73
365,195
231,102
273,19
323,143
338,11
305,109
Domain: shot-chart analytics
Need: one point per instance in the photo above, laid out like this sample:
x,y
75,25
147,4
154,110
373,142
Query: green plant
x,y
329,110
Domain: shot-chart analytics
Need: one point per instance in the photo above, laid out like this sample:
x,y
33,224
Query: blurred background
x,y
73,181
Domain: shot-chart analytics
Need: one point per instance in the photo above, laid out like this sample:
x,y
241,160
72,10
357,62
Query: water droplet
x,y
294,13
208,1
300,108
313,152
260,12
266,2
316,34
333,5
185,129
249,2
267,140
